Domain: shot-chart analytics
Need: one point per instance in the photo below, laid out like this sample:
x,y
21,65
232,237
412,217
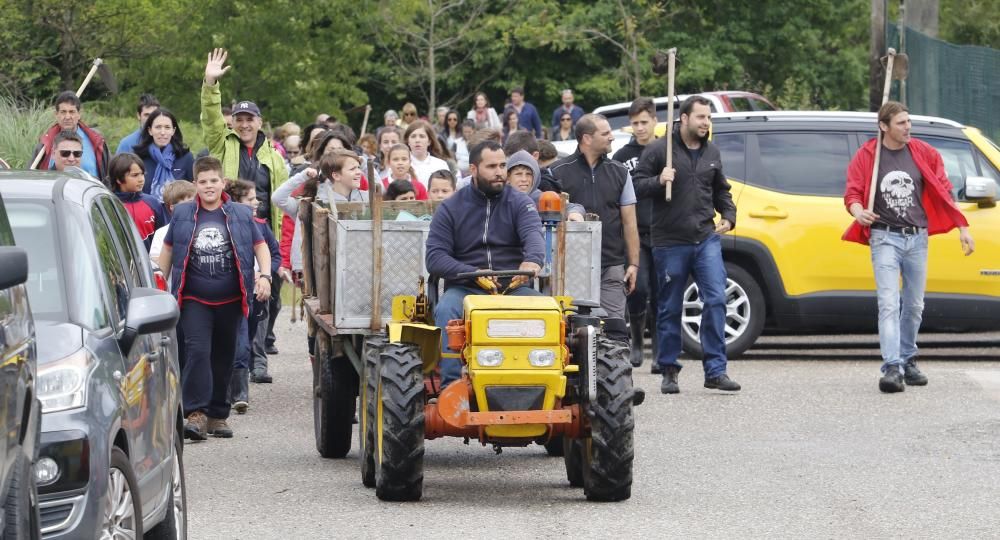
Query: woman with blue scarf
x,y
161,147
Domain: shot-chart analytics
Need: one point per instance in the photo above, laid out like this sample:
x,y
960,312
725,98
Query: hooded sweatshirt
x,y
523,158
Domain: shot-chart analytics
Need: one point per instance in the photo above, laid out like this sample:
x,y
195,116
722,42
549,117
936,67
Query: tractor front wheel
x,y
608,453
399,424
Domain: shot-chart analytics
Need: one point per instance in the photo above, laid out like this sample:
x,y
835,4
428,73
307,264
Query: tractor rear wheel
x,y
399,424
608,452
334,392
367,387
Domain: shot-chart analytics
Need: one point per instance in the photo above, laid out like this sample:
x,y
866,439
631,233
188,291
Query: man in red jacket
x,y
912,200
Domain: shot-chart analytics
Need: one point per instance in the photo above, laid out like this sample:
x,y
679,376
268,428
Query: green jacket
x,y
224,144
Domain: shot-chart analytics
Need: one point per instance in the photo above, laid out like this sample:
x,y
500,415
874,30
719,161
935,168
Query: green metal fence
x,y
958,82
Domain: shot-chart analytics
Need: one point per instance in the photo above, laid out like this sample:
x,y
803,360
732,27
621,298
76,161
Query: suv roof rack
x,y
806,116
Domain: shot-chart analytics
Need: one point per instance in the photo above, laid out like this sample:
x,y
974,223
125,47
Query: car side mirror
x,y
981,190
13,266
149,310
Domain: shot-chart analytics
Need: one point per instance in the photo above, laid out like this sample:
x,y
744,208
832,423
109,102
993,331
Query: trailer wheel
x,y
399,424
366,428
573,459
554,447
608,452
334,391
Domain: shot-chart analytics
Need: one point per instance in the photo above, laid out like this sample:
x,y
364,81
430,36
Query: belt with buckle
x,y
894,229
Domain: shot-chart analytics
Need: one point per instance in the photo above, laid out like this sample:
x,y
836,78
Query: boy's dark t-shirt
x,y
212,276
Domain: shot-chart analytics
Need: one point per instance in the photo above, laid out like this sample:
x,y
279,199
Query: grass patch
x,y
23,124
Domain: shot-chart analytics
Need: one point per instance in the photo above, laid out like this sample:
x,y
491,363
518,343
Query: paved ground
x,y
809,448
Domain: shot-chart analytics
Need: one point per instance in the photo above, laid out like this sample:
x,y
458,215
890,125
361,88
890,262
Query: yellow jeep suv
x,y
788,268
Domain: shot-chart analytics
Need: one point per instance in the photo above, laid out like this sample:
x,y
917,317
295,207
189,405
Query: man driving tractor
x,y
487,225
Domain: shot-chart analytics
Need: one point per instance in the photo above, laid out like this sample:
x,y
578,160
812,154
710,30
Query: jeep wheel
x,y
745,313
399,424
608,452
334,392
369,384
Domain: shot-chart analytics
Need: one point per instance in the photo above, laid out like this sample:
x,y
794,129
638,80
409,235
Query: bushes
x,y
19,130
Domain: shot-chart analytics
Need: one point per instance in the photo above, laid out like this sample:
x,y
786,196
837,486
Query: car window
x,y
617,119
761,105
112,271
34,227
733,149
804,163
740,104
959,161
986,168
124,239
6,235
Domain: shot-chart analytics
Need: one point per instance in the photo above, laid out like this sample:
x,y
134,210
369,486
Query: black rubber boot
x,y
637,327
239,391
669,383
654,341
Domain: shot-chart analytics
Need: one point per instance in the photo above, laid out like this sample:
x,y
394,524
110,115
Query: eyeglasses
x,y
68,153
567,119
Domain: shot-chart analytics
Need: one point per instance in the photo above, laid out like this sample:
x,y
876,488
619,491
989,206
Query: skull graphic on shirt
x,y
897,191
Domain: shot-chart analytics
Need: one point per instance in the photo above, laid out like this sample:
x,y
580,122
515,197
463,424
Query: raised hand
x,y
215,68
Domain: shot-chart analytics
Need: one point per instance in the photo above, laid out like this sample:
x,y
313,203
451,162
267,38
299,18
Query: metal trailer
x,y
346,300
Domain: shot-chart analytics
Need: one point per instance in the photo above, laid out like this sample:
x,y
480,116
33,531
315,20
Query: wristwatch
x,y
265,276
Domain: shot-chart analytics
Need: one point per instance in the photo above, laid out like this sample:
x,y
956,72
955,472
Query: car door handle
x,y
769,212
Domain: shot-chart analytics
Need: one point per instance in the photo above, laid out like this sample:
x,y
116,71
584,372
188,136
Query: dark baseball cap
x,y
248,107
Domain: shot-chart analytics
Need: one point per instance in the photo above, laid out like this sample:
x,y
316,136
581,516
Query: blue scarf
x,y
164,173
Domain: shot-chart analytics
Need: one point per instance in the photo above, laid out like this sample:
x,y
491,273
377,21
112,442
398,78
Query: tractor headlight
x,y
542,357
489,357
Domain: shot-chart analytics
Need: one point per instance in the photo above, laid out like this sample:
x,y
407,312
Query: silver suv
x,y
108,377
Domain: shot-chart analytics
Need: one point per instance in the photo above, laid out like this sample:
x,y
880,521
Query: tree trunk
x,y
432,102
875,52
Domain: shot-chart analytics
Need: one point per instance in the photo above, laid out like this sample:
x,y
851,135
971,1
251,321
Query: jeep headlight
x,y
62,384
542,357
489,357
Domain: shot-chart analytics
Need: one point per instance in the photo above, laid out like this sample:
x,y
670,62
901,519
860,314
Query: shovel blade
x,y
900,65
107,78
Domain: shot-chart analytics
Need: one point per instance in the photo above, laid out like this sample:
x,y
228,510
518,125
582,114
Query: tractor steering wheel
x,y
494,273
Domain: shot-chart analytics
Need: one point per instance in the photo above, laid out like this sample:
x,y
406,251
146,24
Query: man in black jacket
x,y
686,240
604,187
642,117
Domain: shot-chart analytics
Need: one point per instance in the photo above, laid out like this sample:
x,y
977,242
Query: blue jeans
x,y
674,264
450,307
899,311
645,283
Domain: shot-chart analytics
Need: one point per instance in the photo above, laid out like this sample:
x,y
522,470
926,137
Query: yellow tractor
x,y
535,369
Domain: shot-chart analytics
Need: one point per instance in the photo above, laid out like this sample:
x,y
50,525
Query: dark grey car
x,y
111,445
19,408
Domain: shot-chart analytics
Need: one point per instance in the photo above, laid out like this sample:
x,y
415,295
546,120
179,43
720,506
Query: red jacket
x,y
100,149
942,213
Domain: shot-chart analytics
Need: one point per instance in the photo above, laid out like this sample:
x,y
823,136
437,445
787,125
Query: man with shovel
x,y
912,199
95,155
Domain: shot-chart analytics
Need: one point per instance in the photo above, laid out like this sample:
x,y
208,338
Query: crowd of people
x,y
222,227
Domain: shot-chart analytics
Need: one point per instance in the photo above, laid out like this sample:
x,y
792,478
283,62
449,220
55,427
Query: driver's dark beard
x,y
487,188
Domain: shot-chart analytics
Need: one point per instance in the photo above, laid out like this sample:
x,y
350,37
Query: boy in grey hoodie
x,y
527,178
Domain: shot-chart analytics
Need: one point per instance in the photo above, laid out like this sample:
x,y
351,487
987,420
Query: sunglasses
x,y
68,153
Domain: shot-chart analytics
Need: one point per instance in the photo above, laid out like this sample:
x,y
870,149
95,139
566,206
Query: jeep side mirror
x,y
149,310
981,190
13,266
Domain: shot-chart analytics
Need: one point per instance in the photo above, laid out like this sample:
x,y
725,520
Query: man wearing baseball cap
x,y
245,151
